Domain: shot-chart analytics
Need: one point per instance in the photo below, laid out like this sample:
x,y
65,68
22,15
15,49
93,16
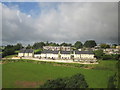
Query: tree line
x,y
77,44
11,49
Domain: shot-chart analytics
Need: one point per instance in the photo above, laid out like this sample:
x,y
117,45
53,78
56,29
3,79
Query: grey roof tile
x,y
83,52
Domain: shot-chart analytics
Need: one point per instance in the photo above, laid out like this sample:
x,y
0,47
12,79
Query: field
x,y
23,74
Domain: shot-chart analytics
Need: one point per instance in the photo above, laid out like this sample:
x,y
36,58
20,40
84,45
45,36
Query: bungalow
x,y
26,53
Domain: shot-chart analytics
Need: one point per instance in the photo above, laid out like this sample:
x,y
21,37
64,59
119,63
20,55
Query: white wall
x,y
89,56
77,56
65,56
20,54
37,55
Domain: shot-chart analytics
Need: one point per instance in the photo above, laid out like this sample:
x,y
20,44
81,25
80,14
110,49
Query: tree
x,y
65,44
78,45
18,46
8,51
99,54
104,46
90,43
112,80
38,45
28,47
76,81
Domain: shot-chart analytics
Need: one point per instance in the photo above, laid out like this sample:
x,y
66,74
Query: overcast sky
x,y
59,22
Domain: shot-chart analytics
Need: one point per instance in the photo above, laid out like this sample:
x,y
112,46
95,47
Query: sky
x,y
29,22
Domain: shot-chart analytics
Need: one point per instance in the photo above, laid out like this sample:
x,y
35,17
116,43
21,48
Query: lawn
x,y
23,74
10,56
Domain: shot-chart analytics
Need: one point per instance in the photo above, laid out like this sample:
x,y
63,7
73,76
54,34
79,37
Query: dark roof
x,y
26,51
55,52
22,51
49,51
65,52
83,52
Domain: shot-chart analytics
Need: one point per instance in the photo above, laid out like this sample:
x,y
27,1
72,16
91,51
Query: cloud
x,y
62,22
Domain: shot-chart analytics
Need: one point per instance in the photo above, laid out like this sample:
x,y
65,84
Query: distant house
x,y
57,48
111,51
83,55
65,54
50,54
26,53
118,47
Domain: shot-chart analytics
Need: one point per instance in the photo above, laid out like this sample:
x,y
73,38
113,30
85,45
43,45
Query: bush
x,y
111,81
111,57
76,81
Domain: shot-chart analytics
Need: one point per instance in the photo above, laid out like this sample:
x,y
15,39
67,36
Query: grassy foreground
x,y
23,74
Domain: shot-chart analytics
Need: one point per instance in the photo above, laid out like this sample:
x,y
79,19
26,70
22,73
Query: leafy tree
x,y
76,81
90,43
7,52
53,44
107,57
8,46
78,45
104,46
111,57
38,45
99,54
112,80
65,44
28,47
18,46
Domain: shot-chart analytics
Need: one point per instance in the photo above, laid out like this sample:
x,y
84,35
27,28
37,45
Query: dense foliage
x,y
90,43
76,81
112,81
78,45
10,49
104,46
100,55
38,45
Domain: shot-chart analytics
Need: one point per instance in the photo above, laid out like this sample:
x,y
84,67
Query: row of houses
x,y
58,48
64,55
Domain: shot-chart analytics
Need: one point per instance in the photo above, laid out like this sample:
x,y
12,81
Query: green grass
x,y
10,56
104,65
37,50
14,74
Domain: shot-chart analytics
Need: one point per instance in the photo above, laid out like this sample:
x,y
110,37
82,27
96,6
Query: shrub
x,y
76,81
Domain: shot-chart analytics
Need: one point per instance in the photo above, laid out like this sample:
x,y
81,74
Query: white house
x,y
65,54
26,53
37,55
50,54
57,48
84,56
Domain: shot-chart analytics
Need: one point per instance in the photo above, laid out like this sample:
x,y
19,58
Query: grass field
x,y
22,74
10,56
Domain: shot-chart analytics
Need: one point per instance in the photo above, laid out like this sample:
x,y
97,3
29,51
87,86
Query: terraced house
x,y
26,53
59,54
57,48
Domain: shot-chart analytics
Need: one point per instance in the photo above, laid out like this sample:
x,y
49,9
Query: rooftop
x,y
26,51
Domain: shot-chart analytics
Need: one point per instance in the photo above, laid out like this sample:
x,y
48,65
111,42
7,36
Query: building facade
x,y
57,48
59,55
26,53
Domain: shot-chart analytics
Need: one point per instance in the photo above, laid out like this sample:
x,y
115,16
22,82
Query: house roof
x,y
65,52
83,52
49,51
26,51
